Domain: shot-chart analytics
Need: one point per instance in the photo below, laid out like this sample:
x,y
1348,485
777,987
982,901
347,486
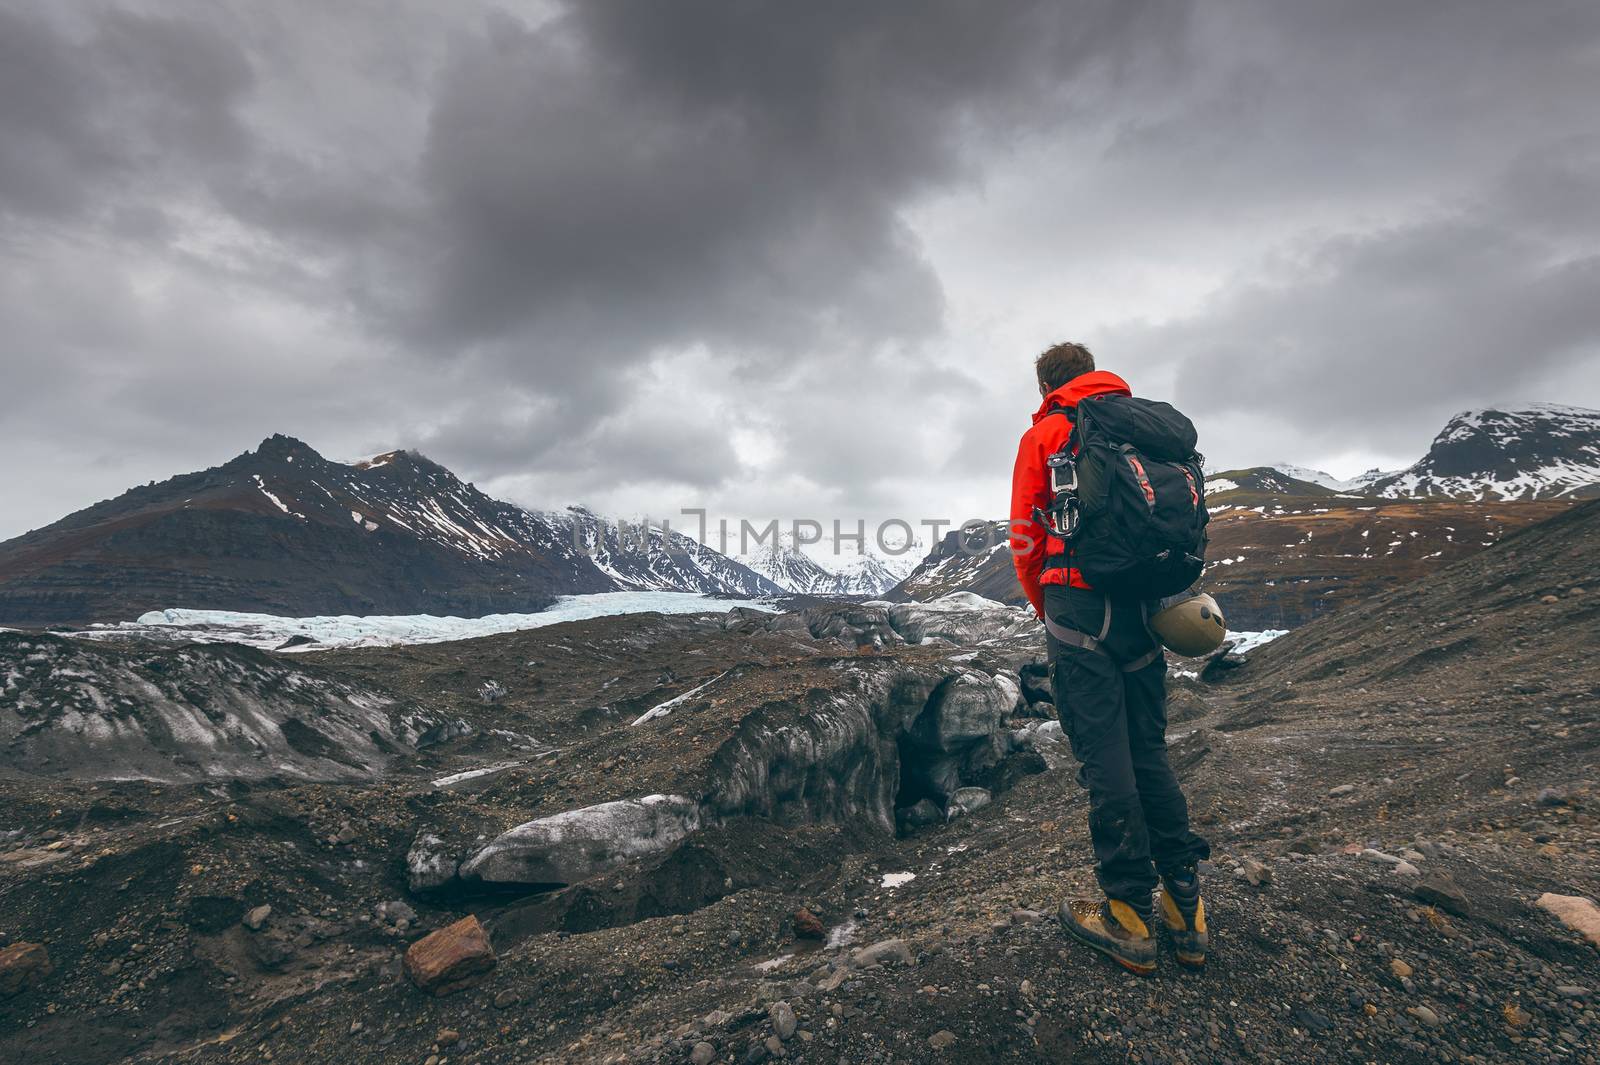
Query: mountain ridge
x,y
281,529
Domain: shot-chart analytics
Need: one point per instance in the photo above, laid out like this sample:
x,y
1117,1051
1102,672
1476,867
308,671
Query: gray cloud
x,y
652,255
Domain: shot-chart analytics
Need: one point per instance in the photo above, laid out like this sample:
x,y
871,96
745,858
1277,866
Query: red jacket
x,y
1030,484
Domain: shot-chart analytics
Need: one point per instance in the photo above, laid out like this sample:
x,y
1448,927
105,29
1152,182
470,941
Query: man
x,y
1110,693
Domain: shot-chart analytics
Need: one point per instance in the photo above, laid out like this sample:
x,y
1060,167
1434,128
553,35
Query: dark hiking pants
x,y
1111,695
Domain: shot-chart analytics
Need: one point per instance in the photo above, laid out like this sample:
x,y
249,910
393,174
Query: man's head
x,y
1061,363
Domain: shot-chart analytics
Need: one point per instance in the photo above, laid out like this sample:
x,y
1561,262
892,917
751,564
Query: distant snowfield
x,y
270,630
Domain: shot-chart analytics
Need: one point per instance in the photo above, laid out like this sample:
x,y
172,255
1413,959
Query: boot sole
x,y
1136,968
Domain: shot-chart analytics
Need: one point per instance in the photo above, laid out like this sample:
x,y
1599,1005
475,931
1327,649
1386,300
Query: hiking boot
x,y
1184,914
1115,929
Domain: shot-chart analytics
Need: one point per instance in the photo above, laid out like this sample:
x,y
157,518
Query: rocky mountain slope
x,y
282,530
845,572
638,557
1538,451
841,834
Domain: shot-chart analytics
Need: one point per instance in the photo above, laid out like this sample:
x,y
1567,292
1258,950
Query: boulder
x,y
882,952
857,624
969,800
807,925
576,844
451,959
429,863
1576,912
961,618
22,966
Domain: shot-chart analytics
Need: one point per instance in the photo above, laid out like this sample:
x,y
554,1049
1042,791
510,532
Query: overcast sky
x,y
777,260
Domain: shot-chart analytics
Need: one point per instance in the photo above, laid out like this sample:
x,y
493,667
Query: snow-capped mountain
x,y
1356,485
825,571
644,558
283,530
971,561
1537,451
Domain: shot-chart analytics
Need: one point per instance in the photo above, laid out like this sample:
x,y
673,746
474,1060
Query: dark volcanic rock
x,y
96,711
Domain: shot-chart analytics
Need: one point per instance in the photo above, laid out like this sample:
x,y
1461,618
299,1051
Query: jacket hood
x,y
1093,383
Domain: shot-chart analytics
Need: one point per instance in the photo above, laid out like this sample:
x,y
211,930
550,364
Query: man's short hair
x,y
1061,363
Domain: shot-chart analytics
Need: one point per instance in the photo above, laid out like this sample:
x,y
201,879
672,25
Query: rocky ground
x,y
1389,792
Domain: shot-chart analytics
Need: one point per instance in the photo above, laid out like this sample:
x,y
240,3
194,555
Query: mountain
x,y
1538,451
847,572
1258,484
644,558
283,530
965,560
1356,485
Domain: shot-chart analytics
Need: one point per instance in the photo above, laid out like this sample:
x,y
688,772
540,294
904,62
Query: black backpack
x,y
1141,498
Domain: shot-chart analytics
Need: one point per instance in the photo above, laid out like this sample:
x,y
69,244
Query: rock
x,y
576,844
1576,912
1310,1019
774,1046
447,1037
1342,789
1551,797
450,959
920,814
506,999
702,1054
942,1039
22,966
429,864
1547,599
784,1021
1404,868
256,918
272,949
1516,1016
1571,991
1425,1015
960,617
969,800
1550,850
883,952
1255,872
1401,970
807,925
1437,889
395,912
1379,857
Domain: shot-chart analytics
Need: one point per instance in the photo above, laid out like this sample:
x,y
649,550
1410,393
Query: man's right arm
x,y
1030,488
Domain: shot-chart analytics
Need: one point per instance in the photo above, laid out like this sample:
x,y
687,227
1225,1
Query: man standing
x,y
1109,679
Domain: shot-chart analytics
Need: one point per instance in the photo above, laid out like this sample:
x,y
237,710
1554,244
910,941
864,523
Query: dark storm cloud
x,y
635,176
628,247
135,93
